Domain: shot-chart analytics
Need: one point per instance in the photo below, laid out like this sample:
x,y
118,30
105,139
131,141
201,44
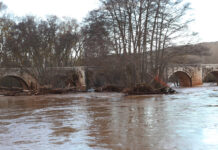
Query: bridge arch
x,y
20,80
24,78
182,78
211,76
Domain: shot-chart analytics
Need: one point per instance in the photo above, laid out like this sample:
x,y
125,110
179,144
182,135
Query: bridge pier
x,y
196,77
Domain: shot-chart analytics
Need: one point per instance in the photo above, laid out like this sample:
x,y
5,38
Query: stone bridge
x,y
187,75
192,75
28,81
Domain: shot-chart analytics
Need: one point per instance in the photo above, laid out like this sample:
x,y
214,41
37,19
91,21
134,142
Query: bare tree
x,y
38,45
143,29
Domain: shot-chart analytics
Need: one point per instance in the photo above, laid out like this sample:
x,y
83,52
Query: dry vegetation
x,y
130,42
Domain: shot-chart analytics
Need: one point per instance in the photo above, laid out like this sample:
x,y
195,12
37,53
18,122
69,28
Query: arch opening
x,y
181,79
211,77
13,82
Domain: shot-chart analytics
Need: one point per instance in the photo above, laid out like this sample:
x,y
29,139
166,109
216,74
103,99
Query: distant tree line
x,y
128,40
39,44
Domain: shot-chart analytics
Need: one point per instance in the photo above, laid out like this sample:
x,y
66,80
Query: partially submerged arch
x,y
211,76
16,81
25,80
182,78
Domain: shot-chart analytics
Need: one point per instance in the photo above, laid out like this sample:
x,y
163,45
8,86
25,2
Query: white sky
x,y
206,19
77,9
205,12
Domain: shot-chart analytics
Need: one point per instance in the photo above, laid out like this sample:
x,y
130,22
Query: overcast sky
x,y
205,12
77,9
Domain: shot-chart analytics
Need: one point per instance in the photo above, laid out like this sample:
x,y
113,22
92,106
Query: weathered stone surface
x,y
28,82
192,75
189,75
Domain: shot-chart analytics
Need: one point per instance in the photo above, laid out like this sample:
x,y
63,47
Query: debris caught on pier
x,y
142,89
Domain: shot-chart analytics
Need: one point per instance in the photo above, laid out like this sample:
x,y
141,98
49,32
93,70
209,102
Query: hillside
x,y
196,55
213,48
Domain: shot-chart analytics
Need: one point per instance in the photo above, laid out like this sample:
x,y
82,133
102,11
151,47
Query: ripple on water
x,y
92,121
63,131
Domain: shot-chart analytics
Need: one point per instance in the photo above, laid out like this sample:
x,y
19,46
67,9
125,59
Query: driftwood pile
x,y
140,89
41,91
143,89
109,88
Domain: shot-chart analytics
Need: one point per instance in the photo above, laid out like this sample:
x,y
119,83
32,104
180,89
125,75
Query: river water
x,y
187,120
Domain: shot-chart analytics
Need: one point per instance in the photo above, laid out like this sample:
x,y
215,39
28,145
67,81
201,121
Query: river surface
x,y
97,121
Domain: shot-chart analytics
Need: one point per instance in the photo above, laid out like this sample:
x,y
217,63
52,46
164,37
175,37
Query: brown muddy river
x,y
97,121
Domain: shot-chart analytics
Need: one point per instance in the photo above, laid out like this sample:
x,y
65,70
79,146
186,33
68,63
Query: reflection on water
x,y
187,120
